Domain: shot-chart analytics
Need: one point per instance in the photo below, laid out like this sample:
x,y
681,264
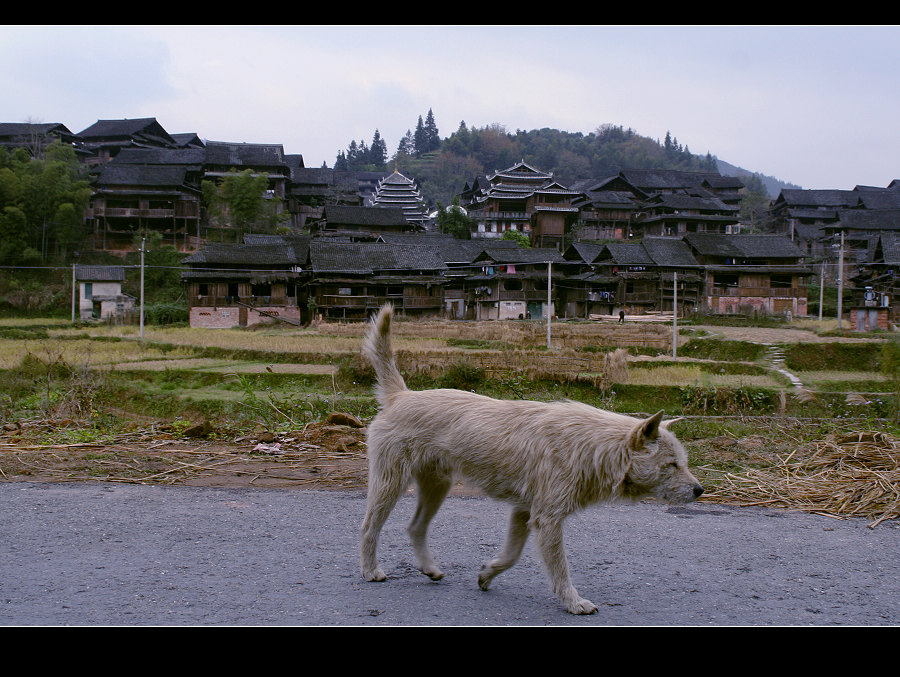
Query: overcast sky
x,y
815,106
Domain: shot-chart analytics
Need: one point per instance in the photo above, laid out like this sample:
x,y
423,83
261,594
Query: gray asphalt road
x,y
103,554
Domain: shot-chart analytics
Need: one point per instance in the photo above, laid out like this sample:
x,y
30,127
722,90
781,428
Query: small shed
x,y
100,292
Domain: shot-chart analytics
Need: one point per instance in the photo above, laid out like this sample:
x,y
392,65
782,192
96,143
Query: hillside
x,y
773,186
443,170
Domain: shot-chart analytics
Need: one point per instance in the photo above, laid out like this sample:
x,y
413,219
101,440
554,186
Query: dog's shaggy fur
x,y
547,459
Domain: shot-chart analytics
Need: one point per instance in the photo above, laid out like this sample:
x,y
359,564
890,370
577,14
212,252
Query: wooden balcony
x,y
255,301
765,292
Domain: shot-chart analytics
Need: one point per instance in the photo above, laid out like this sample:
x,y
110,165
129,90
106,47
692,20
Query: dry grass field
x,y
100,403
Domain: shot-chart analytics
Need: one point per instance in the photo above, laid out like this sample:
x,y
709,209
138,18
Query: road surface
x,y
118,554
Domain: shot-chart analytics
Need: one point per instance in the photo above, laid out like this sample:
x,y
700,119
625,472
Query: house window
x,y
203,289
723,280
512,285
88,290
262,290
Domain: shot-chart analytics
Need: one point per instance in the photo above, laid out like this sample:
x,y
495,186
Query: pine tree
x,y
432,137
378,151
407,145
420,137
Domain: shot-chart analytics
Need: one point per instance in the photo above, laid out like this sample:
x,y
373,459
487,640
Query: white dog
x,y
547,459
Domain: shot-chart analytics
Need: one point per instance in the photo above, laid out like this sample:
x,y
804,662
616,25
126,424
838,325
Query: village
x,y
636,244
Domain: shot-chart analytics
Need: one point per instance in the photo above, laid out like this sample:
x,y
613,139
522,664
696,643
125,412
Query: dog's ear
x,y
646,430
665,424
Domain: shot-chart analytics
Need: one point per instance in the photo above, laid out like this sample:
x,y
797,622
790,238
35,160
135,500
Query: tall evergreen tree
x,y
421,137
407,145
378,151
432,137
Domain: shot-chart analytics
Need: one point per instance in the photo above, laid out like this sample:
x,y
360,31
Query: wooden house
x,y
511,283
635,277
630,267
35,137
524,199
751,273
877,284
586,292
128,200
673,215
363,223
311,189
240,285
459,296
350,280
798,207
223,158
105,138
699,184
100,295
607,208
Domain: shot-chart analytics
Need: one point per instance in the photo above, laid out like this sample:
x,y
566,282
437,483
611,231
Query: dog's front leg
x,y
549,535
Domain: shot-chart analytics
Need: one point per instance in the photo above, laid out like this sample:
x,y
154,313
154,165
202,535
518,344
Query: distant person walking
x,y
621,317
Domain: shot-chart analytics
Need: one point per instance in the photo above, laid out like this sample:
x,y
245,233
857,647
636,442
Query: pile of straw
x,y
847,475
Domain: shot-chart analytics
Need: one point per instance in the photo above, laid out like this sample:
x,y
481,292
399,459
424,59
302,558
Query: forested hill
x,y
443,169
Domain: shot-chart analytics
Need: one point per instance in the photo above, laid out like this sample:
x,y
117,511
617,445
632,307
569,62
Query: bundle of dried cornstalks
x,y
846,475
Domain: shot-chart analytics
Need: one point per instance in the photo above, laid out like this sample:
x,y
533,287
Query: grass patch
x,y
823,356
722,350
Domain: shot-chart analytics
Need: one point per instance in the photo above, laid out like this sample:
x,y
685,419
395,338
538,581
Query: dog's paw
x,y
485,578
376,575
433,574
581,606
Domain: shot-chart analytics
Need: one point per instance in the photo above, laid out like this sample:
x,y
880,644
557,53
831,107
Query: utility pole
x,y
549,302
840,299
143,240
74,293
675,316
821,289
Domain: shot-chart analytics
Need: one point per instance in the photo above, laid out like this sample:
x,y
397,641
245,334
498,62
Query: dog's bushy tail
x,y
377,348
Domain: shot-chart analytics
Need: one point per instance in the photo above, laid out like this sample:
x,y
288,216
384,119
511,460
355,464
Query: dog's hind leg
x,y
549,536
515,541
434,485
384,490
512,549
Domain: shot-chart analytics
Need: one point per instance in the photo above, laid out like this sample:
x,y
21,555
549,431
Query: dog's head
x,y
658,464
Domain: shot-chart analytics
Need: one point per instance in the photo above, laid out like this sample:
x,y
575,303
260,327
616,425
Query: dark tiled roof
x,y
369,258
187,140
137,175
220,153
147,129
627,253
584,252
818,198
666,179
521,255
676,201
160,156
275,254
669,251
868,219
890,248
100,273
743,246
364,216
16,129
